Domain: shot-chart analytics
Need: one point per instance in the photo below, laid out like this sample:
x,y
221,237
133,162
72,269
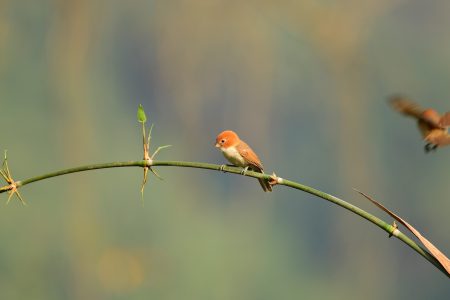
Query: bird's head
x,y
227,139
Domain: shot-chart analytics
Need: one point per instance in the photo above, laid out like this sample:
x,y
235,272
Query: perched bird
x,y
432,125
240,154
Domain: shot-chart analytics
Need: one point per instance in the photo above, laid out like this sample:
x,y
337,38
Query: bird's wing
x,y
249,156
445,120
411,109
406,107
253,161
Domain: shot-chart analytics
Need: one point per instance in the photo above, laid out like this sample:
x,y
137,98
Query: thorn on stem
x,y
12,185
146,140
159,149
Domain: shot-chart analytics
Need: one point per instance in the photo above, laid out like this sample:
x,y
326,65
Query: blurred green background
x,y
303,82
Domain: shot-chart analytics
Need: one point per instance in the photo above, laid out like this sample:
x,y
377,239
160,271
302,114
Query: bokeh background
x,y
304,82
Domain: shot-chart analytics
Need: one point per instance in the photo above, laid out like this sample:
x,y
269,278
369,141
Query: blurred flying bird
x,y
240,154
432,125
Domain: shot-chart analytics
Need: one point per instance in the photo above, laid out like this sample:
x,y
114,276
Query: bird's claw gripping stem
x,y
244,171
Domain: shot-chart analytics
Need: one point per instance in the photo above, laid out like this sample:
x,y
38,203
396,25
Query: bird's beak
x,y
217,145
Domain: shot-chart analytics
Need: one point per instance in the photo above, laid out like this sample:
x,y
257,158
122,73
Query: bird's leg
x,y
244,170
225,165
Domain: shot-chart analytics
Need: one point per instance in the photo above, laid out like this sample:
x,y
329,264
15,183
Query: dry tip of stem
x,y
274,179
395,230
434,251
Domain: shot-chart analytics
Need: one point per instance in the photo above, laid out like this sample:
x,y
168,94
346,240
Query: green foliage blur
x,y
303,82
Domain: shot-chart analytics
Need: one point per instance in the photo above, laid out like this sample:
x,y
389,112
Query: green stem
x,y
235,170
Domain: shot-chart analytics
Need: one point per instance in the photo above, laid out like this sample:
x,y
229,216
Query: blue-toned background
x,y
303,82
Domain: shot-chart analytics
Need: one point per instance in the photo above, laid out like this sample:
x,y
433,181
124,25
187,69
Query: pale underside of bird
x,y
432,125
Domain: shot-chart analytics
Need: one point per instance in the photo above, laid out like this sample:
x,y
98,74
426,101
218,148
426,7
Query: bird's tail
x,y
265,185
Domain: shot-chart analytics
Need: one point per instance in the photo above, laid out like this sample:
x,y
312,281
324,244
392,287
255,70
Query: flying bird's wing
x,y
406,107
411,109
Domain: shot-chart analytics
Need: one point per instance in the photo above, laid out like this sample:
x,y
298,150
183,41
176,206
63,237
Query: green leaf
x,y
142,118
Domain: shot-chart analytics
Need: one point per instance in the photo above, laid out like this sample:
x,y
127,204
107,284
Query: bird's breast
x,y
234,157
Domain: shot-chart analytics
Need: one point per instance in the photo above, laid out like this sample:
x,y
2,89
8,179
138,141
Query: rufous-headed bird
x,y
240,154
432,125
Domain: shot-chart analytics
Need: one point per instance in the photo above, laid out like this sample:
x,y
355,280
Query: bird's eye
x,y
222,141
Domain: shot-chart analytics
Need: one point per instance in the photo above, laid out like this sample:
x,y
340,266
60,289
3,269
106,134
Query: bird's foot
x,y
244,171
222,167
